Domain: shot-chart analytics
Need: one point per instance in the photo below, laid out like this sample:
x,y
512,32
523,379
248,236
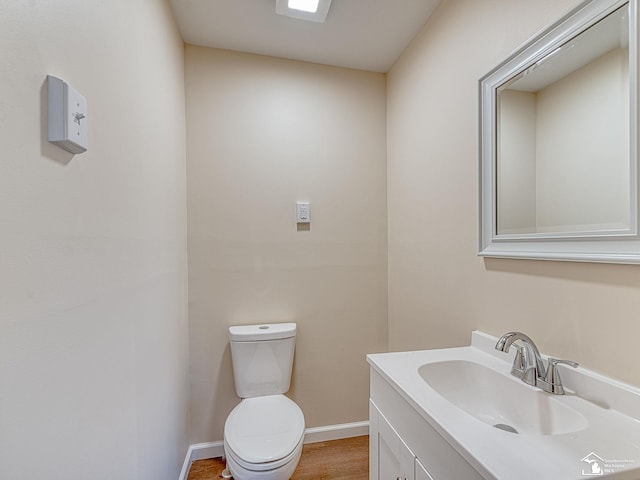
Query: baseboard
x,y
336,432
200,451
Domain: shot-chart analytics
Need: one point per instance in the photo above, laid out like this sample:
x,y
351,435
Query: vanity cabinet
x,y
404,446
421,472
393,458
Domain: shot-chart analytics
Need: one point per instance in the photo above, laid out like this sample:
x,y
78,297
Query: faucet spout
x,y
502,342
528,364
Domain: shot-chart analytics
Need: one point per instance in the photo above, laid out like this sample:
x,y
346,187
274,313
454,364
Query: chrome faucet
x,y
529,366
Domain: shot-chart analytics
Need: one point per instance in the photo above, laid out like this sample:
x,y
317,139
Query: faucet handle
x,y
552,380
555,361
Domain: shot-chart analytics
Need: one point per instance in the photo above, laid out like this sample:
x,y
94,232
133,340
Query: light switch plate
x,y
67,116
302,212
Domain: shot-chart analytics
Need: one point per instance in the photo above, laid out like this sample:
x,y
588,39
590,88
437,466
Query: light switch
x,y
67,116
302,212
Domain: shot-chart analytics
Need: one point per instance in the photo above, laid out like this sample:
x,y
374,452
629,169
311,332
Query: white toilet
x,y
263,434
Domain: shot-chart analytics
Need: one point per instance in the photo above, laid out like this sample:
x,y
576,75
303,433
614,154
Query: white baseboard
x,y
336,432
200,451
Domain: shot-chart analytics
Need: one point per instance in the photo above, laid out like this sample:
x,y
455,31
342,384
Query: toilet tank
x,y
262,358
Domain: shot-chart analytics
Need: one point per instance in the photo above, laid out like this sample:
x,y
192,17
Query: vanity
x,y
459,414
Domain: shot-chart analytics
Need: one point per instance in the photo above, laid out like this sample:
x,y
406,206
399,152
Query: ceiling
x,y
362,34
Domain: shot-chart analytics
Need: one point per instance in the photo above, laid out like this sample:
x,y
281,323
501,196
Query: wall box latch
x,y
67,116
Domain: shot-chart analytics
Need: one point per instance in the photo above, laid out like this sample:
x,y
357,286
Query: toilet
x,y
264,433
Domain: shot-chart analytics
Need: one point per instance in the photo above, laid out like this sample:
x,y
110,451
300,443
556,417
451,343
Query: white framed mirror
x,y
558,142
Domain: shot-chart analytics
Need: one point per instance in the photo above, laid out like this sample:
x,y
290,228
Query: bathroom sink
x,y
461,393
500,401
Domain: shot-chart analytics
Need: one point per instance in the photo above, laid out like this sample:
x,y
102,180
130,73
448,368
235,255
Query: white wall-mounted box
x,y
67,116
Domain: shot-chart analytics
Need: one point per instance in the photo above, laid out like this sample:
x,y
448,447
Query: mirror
x,y
558,142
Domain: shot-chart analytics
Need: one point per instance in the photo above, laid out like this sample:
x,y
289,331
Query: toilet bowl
x,y
264,433
263,438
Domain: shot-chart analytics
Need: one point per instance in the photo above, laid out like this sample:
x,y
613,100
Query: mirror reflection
x,y
563,147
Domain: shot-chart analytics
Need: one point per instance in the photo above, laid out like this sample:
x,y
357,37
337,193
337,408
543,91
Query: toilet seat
x,y
236,463
264,433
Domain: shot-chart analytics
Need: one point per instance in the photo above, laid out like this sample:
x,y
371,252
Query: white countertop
x,y
613,431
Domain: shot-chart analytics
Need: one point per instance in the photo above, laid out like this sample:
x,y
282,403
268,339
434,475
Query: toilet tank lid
x,y
266,331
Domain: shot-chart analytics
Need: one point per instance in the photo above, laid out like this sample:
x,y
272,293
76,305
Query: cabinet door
x,y
395,460
421,472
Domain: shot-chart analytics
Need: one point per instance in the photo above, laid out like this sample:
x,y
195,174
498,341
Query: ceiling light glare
x,y
310,6
310,10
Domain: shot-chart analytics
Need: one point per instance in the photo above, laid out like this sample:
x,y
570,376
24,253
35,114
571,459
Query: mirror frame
x,y
622,246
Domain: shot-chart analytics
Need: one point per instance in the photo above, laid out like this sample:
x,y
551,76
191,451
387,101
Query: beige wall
x,y
93,329
439,290
563,161
262,134
582,149
516,159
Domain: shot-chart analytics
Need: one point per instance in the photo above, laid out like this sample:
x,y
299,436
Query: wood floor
x,y
346,459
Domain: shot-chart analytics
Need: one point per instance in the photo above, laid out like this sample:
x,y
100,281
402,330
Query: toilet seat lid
x,y
264,429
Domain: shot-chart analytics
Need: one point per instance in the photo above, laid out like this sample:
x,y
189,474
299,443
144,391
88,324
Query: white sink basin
x,y
463,392
502,402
